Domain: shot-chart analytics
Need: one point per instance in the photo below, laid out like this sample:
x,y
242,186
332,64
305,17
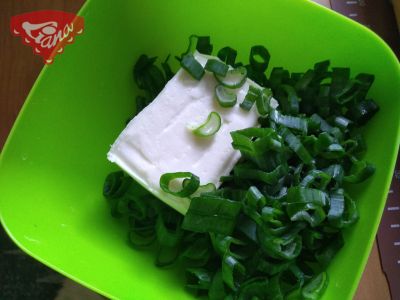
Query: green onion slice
x,y
227,55
198,279
288,99
142,234
243,172
286,247
169,235
211,214
233,272
204,45
234,78
259,58
295,144
225,97
210,126
337,204
316,178
192,66
253,94
342,122
350,214
222,244
197,251
360,171
308,212
216,66
278,76
363,111
113,185
306,195
296,123
314,289
148,76
263,103
255,288
217,287
305,80
325,255
187,189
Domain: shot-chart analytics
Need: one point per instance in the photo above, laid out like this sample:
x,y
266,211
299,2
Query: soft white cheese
x,y
158,140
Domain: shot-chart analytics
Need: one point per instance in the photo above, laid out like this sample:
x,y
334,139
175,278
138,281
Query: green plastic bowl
x,y
54,162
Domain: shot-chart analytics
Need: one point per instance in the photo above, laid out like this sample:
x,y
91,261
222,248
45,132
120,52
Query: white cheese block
x,y
158,140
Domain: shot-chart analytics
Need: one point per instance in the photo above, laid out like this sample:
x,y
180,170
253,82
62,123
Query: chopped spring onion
x,y
315,288
342,122
263,103
306,204
141,234
259,58
325,253
336,209
216,66
305,80
192,66
296,123
225,97
232,271
363,111
360,171
340,76
286,247
295,144
211,214
307,195
223,244
203,45
210,126
276,222
217,288
227,55
198,279
255,288
187,189
316,178
251,97
196,249
272,177
288,99
148,76
258,77
278,76
234,78
114,185
169,235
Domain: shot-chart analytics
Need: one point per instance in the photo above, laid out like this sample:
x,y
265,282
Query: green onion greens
x,y
276,223
210,126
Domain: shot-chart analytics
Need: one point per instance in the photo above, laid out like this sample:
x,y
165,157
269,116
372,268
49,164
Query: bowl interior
x,y
54,163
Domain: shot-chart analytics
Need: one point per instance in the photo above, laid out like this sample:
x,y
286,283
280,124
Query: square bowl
x,y
54,162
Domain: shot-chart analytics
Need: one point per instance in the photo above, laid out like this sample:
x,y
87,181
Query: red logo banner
x,y
47,31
